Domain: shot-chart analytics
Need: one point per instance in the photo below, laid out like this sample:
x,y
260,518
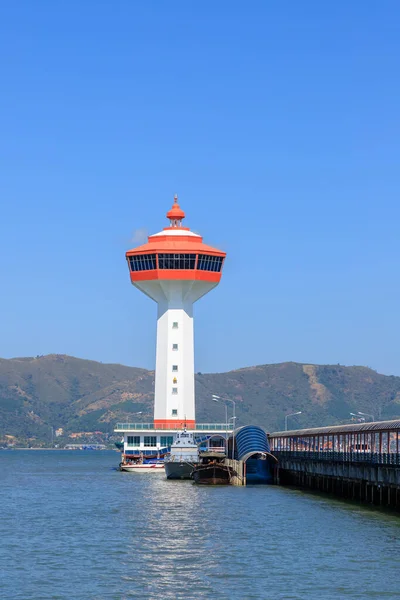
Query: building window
x,y
174,346
150,440
175,325
143,262
166,440
209,263
174,390
133,440
174,412
174,380
176,261
175,368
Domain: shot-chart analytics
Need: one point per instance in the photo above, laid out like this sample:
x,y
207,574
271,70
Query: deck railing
x,y
151,427
373,458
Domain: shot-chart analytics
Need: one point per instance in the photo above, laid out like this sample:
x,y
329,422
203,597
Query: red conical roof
x,y
176,213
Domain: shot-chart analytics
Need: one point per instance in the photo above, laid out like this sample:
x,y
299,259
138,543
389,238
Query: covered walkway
x,y
377,441
359,462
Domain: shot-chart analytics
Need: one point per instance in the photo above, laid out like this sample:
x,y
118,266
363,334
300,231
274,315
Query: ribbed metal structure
x,y
252,447
250,439
373,426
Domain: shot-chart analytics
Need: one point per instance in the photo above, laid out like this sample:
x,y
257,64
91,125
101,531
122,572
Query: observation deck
x,y
175,253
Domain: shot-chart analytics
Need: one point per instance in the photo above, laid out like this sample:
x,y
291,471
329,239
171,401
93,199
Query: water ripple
x,y
72,527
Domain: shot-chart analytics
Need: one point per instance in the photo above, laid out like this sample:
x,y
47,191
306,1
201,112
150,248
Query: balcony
x,y
220,427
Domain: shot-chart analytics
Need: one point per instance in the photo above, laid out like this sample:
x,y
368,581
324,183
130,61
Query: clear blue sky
x,y
277,123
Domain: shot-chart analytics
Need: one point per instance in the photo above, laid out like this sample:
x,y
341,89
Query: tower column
x,y
174,402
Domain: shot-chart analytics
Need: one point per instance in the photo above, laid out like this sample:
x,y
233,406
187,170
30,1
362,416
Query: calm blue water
x,y
72,528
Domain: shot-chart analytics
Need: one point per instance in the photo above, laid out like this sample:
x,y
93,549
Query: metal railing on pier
x,y
372,458
377,438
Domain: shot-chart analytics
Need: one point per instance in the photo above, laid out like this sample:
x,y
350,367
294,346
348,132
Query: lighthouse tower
x,y
175,268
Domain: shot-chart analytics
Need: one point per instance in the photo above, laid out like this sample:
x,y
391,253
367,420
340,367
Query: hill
x,y
78,395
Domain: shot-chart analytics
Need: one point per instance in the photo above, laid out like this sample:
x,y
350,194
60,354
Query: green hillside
x,y
78,395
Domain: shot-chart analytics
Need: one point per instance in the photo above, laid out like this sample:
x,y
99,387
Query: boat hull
x,y
141,469
178,470
212,475
211,481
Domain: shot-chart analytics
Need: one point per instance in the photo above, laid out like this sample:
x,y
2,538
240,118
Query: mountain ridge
x,y
56,390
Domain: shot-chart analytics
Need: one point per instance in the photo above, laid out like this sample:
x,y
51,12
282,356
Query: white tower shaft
x,y
174,385
174,401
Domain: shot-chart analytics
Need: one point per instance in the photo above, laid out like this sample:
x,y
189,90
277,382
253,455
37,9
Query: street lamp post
x,y
226,411
291,415
217,399
233,419
140,412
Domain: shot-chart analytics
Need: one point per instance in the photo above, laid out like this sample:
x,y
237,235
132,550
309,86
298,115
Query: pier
x,y
357,462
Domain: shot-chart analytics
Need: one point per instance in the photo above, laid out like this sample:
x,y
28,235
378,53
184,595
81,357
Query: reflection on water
x,y
172,540
74,528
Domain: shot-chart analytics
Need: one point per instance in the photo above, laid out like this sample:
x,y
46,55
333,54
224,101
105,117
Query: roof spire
x,y
176,214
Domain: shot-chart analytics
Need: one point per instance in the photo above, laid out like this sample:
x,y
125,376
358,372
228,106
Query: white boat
x,y
142,467
184,455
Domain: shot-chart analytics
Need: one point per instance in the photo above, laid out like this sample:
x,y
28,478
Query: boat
x,y
183,456
138,465
212,470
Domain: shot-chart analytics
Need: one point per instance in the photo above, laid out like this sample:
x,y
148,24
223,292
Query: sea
x,y
72,527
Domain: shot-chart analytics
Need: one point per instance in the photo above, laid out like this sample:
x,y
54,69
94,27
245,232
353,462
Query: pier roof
x,y
334,429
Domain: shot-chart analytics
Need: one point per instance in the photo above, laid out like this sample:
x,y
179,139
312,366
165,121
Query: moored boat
x,y
212,470
141,466
183,457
